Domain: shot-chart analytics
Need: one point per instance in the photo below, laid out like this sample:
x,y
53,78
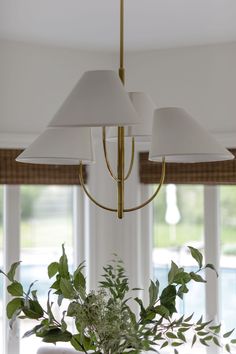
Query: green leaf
x,y
208,338
12,271
162,311
182,290
176,344
189,318
227,347
63,265
168,297
211,266
72,309
233,341
171,335
63,323
182,278
184,329
153,294
216,329
197,278
200,320
49,309
33,310
34,295
181,336
215,340
32,331
196,255
67,288
194,340
202,333
56,335
172,273
179,321
164,344
75,343
15,289
142,309
80,283
53,269
228,334
203,342
13,306
56,285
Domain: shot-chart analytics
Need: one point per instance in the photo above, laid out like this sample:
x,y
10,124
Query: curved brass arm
x,y
163,172
105,153
132,160
107,160
125,210
87,192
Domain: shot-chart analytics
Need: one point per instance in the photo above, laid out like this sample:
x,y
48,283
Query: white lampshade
x,y
98,99
144,107
179,138
60,146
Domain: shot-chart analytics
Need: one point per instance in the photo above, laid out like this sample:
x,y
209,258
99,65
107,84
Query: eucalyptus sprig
x,y
103,319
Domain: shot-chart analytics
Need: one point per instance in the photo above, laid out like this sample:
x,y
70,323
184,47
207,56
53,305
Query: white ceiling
x,y
93,24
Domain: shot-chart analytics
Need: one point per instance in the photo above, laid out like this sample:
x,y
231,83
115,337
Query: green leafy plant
x,y
104,322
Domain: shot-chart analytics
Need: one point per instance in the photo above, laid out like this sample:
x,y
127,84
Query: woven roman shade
x,y
12,172
223,172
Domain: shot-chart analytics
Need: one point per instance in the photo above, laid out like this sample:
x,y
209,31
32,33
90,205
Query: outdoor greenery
x,y
190,226
104,321
188,229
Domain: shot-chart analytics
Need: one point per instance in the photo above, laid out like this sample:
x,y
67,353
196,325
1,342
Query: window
x,y
179,215
178,222
46,223
47,220
228,254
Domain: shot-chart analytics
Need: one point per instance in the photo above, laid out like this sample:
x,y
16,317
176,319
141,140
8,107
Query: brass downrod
x,y
121,130
122,68
120,172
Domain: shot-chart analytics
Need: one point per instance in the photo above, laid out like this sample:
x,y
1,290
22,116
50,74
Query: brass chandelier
x,y
100,99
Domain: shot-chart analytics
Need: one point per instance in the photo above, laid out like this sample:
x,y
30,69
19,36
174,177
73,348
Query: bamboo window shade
x,y
12,172
222,172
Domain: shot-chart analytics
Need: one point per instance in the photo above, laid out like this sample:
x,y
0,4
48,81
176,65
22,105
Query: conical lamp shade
x,y
179,138
98,99
60,146
144,107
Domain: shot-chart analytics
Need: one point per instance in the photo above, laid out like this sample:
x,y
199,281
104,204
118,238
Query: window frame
x,y
211,251
11,247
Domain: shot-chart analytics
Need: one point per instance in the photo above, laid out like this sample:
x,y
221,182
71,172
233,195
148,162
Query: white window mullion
x,y
145,242
79,229
11,247
212,254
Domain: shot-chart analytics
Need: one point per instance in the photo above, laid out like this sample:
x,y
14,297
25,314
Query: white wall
x,y
201,79
34,80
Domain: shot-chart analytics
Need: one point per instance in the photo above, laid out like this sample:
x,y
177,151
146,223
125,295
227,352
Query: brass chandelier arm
x,y
163,173
106,155
107,159
132,160
81,179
